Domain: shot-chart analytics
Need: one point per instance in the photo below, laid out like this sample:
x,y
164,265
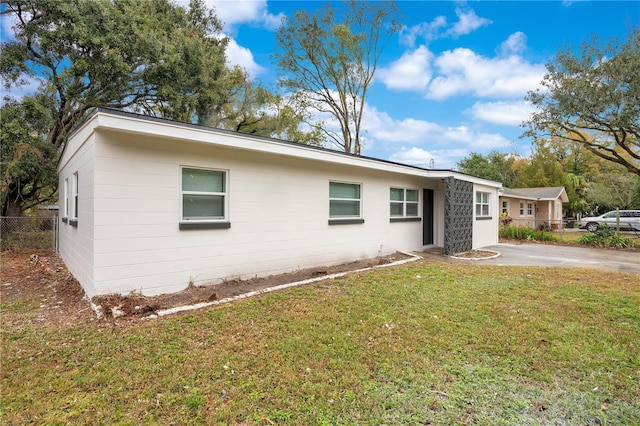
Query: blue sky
x,y
452,81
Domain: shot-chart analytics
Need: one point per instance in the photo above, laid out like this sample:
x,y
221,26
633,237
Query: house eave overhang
x,y
117,121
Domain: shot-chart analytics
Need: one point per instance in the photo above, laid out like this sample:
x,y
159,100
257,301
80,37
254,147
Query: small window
x,y
505,207
204,195
526,209
65,201
403,202
482,204
75,195
344,200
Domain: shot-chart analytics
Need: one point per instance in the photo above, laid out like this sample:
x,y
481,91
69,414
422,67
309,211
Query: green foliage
x,y
525,233
495,166
151,56
591,98
613,187
607,237
248,107
542,170
27,159
329,59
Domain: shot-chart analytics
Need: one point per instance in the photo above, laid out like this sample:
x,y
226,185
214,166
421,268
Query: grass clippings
x,y
426,343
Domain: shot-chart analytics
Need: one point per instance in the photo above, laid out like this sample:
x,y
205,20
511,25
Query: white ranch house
x,y
151,205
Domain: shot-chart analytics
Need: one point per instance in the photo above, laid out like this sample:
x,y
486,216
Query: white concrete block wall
x,y
485,232
278,210
76,242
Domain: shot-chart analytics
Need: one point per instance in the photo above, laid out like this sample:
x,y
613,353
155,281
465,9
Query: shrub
x,y
607,237
524,233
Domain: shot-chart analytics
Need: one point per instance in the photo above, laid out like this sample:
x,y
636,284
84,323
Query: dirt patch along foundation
x,y
138,305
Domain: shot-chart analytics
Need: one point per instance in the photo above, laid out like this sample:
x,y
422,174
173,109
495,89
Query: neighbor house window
x,y
526,209
482,204
344,201
403,202
204,196
505,207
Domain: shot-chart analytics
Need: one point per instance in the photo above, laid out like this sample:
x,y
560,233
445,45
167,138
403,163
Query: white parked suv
x,y
629,219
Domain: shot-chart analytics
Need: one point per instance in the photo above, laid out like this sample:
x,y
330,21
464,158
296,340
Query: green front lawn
x,y
423,343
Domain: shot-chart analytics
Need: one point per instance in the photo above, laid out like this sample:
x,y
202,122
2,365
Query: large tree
x,y
329,59
150,56
27,158
593,98
248,107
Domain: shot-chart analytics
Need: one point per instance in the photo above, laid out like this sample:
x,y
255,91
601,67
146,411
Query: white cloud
x,y
233,12
504,113
437,159
6,27
485,141
382,129
426,30
514,44
241,56
411,72
467,23
462,71
464,135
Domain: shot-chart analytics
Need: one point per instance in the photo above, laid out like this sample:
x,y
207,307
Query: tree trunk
x,y
12,205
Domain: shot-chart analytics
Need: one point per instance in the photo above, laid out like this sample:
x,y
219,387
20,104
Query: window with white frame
x,y
482,204
403,202
526,208
65,205
75,196
204,195
505,207
344,200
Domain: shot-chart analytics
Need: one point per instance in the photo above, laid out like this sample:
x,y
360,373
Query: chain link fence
x,y
29,233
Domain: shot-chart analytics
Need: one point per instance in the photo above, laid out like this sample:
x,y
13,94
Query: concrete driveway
x,y
564,256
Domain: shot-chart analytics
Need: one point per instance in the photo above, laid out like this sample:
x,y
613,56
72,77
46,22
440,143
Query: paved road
x,y
565,256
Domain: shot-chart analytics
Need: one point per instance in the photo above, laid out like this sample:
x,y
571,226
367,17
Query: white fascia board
x,y
210,136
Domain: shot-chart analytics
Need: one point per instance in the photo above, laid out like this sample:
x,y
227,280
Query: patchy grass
x,y
418,344
567,237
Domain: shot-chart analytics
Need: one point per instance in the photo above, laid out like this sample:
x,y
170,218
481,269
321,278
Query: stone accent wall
x,y
458,216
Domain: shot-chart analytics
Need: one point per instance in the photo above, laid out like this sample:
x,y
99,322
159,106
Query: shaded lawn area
x,y
425,343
